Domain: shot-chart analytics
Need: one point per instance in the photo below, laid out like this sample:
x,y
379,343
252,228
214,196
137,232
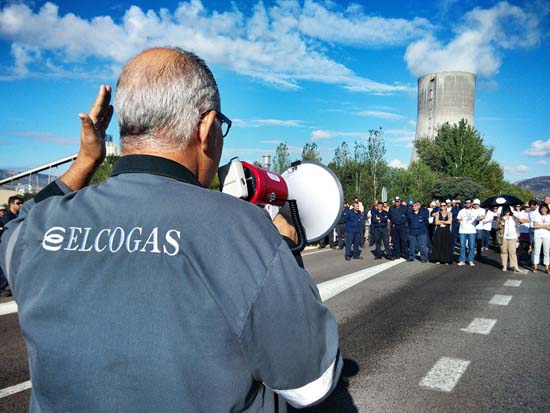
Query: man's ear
x,y
205,126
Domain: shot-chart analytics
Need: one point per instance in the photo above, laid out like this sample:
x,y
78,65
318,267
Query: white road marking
x,y
480,326
500,299
8,308
315,252
512,283
331,288
445,374
8,391
328,289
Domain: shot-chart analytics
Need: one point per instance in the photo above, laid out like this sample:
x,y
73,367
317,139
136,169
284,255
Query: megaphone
x,y
308,192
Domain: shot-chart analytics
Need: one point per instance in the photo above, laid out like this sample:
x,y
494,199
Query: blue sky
x,y
294,71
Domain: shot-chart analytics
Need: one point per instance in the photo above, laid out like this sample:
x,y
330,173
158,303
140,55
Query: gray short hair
x,y
159,102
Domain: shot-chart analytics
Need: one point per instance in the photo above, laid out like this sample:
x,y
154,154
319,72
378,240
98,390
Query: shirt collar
x,y
155,165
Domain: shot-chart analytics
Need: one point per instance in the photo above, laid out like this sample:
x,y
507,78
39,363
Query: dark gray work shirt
x,y
149,293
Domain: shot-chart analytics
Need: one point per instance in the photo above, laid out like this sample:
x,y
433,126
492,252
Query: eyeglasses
x,y
225,122
18,203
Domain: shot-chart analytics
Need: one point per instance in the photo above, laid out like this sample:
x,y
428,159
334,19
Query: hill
x,y
539,185
38,181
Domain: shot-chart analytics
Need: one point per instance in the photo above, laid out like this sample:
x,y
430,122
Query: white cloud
x,y
396,163
43,137
319,134
516,170
354,27
538,148
381,114
269,45
258,123
480,37
542,162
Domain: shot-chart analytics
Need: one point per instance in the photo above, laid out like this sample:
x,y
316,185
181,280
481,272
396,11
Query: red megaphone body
x,y
264,187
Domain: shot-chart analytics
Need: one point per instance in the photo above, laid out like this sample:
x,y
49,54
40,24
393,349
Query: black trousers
x,y
400,238
340,234
381,236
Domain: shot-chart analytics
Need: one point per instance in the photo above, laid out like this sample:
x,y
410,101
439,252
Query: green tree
x,y
104,170
343,166
342,155
493,179
457,187
311,153
281,160
421,181
398,182
358,168
457,150
375,164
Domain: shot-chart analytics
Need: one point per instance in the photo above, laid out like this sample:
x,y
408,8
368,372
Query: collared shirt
x,y
418,221
379,219
354,220
510,231
187,309
398,214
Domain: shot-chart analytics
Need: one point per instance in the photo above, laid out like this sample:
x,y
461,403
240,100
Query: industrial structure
x,y
444,97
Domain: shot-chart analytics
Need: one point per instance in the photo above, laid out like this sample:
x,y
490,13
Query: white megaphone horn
x,y
308,192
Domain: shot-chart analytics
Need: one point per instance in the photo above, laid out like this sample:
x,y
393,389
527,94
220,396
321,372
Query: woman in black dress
x,y
441,248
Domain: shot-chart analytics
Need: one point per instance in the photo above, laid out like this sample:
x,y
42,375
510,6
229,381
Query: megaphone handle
x,y
300,231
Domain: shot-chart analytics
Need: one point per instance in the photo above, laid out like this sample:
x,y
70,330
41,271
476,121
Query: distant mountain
x,y
38,181
539,185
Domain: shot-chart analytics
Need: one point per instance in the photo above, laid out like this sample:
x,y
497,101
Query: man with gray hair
x,y
199,308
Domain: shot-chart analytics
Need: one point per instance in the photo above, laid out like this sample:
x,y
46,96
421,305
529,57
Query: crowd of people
x,y
446,231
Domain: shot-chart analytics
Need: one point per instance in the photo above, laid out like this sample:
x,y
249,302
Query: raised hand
x,y
92,141
94,125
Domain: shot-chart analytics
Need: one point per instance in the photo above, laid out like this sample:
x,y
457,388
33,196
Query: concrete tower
x,y
444,97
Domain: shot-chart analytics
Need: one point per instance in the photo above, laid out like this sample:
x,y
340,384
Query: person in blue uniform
x,y
354,219
418,220
379,223
399,232
200,307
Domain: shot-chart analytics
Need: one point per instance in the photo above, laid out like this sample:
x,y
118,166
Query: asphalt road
x,y
416,338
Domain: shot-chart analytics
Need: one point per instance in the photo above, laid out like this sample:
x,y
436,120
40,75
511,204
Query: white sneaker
x,y
472,264
461,264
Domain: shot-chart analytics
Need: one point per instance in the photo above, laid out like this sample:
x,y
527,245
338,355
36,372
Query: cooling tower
x,y
444,97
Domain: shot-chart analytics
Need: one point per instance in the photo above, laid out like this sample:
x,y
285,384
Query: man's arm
x,y
92,148
289,338
92,141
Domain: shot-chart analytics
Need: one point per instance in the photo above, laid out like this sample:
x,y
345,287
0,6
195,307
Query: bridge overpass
x,y
38,169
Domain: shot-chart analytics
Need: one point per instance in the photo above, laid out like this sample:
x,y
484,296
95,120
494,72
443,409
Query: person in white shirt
x,y
532,215
541,224
468,218
508,234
